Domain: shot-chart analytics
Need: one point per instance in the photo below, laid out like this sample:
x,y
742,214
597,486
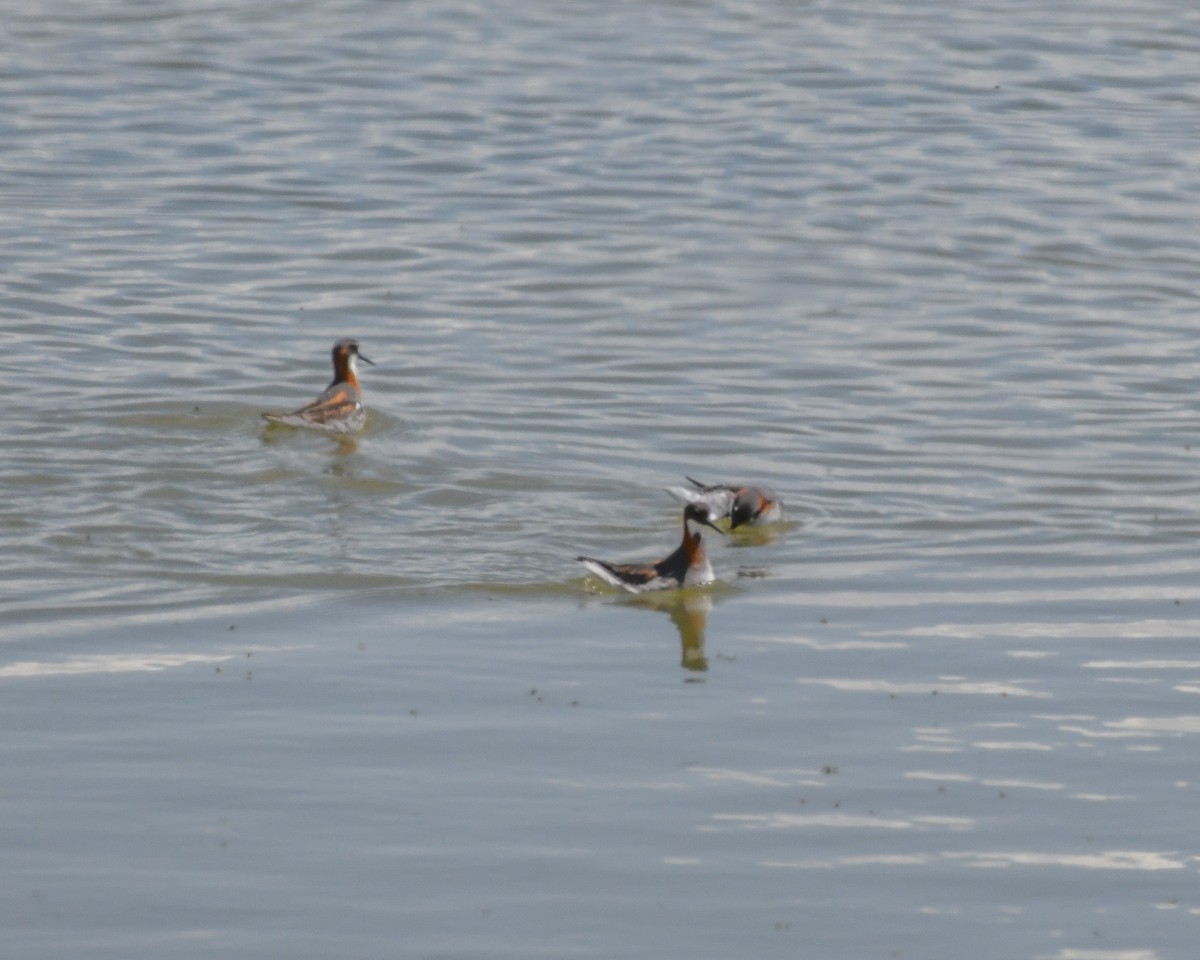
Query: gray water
x,y
929,270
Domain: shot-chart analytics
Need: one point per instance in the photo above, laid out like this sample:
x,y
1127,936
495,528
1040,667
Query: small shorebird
x,y
339,409
743,505
688,566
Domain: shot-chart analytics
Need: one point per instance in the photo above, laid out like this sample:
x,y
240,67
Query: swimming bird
x,y
339,408
688,566
744,505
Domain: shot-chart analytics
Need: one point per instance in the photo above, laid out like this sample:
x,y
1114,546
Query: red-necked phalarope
x,y
688,566
743,505
339,409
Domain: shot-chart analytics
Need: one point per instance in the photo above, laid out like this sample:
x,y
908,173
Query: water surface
x,y
929,272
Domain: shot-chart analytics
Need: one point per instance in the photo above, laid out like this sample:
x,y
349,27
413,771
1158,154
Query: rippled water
x,y
929,271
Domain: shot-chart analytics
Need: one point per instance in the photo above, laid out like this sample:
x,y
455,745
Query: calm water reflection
x,y
927,270
688,610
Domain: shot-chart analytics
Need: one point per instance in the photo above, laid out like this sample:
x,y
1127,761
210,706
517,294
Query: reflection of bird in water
x,y
690,616
339,408
688,566
744,505
688,610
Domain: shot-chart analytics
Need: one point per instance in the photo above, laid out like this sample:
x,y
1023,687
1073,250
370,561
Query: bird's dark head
x,y
699,513
345,359
748,506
